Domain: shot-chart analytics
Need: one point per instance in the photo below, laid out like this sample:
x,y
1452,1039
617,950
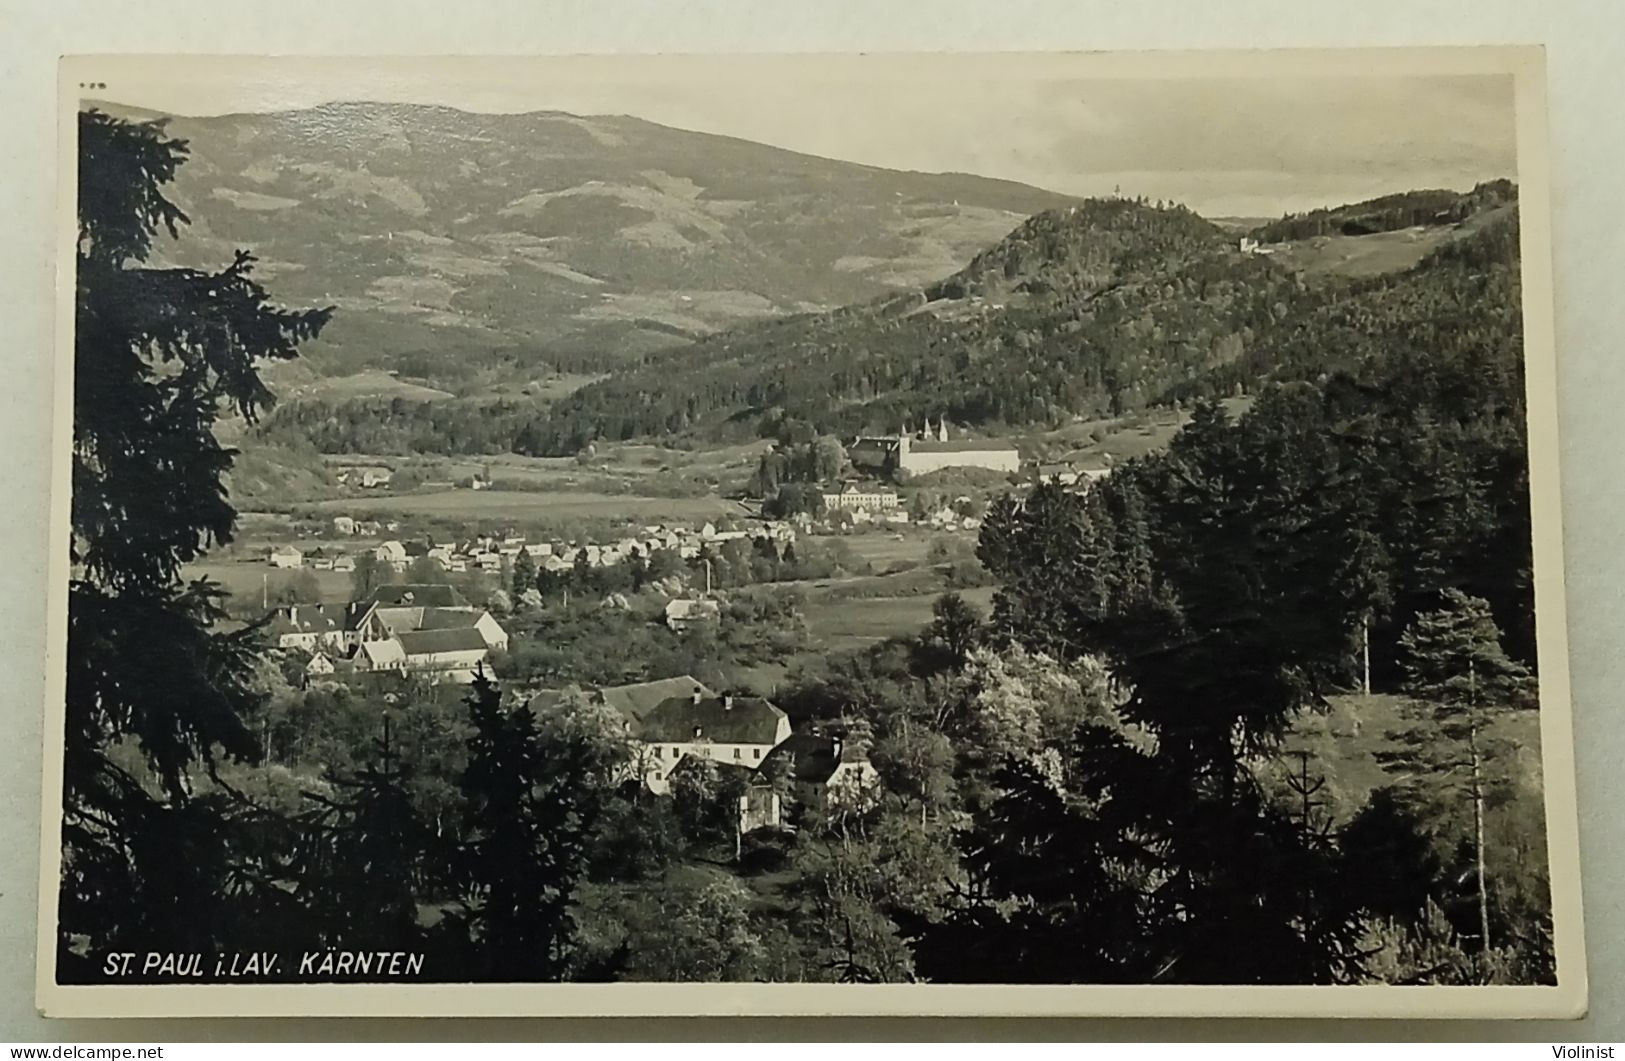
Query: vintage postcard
x,y
808,534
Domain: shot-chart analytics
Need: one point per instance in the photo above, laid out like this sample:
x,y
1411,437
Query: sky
x,y
1227,139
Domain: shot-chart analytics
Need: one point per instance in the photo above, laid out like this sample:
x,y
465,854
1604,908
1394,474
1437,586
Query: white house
x,y
825,774
309,627
287,556
455,654
853,497
736,730
684,613
343,525
392,553
383,655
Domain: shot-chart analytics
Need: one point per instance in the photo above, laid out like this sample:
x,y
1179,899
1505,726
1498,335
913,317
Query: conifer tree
x,y
524,573
533,795
363,852
160,354
1454,662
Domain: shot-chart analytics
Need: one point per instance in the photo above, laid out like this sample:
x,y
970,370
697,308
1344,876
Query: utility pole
x,y
265,591
708,577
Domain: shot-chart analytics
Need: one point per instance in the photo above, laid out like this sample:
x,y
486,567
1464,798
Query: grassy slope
x,y
450,235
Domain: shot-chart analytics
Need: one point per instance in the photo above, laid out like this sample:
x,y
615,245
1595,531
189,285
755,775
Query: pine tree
x,y
534,795
524,573
363,850
159,355
1454,662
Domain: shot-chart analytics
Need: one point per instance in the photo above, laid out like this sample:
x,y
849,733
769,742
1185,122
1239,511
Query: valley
x,y
602,551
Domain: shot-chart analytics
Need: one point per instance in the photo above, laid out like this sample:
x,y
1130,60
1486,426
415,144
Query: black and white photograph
x,y
846,525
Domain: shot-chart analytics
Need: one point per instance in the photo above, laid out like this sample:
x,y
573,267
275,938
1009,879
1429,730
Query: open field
x,y
1377,253
882,549
524,505
248,579
840,624
615,466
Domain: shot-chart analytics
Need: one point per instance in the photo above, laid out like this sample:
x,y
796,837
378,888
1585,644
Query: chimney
x,y
727,703
835,746
698,733
697,697
293,614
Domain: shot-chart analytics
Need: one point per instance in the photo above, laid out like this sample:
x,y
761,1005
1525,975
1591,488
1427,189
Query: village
x,y
426,629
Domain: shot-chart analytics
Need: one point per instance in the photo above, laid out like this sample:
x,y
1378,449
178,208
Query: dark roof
x,y
312,619
632,702
355,613
725,720
422,642
432,595
812,758
448,618
962,445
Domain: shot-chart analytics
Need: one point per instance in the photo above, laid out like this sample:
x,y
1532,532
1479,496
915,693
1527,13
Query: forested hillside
x,y
1102,308
1386,213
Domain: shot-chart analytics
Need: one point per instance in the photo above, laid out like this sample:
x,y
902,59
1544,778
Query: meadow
x,y
248,580
522,505
841,623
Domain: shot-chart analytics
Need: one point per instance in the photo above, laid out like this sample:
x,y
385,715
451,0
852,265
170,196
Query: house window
x,y
657,751
756,753
736,753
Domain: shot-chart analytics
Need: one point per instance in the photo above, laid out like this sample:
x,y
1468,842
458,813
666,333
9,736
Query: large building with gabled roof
x,y
930,450
633,701
738,730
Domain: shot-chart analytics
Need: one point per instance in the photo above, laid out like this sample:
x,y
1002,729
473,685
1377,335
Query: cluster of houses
x,y
674,720
1065,473
423,629
491,553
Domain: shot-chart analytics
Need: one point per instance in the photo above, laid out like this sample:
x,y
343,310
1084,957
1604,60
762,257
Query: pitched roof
x,y
306,619
723,719
962,445
356,614
633,702
377,652
419,595
427,642
448,618
812,758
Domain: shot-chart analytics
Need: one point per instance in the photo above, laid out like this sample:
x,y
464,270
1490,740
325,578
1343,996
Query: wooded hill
x,y
1098,309
1386,213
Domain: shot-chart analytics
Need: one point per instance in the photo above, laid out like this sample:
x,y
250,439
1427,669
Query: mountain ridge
x,y
492,242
